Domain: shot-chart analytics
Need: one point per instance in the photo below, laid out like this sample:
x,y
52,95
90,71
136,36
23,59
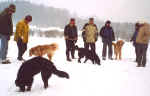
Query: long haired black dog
x,y
34,66
88,54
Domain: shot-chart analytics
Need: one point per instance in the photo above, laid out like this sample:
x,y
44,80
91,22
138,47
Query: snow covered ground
x,y
112,78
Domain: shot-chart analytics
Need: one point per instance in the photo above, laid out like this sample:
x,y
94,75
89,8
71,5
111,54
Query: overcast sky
x,y
115,10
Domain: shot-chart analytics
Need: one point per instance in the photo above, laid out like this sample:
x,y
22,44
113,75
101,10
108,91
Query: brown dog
x,y
41,50
118,48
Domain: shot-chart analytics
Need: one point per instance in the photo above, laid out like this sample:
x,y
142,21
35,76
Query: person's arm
x,y
113,35
76,33
96,35
84,27
133,37
101,32
10,25
19,30
66,32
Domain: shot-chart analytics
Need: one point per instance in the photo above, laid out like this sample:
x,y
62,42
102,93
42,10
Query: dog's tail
x,y
61,74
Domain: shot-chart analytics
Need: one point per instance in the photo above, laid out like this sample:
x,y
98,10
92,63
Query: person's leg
x,y
139,51
20,49
110,50
104,50
0,47
72,49
135,52
92,45
24,49
4,49
68,50
84,44
144,49
87,46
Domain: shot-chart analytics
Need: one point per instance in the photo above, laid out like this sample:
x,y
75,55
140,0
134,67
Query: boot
x,y
104,58
68,59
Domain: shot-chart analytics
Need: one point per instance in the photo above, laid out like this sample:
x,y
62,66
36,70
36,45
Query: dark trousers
x,y
105,44
22,47
141,54
70,48
134,44
90,46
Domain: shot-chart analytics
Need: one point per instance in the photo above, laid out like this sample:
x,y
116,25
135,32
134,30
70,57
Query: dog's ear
x,y
122,43
30,52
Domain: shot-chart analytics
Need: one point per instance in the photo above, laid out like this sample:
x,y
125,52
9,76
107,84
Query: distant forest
x,y
45,16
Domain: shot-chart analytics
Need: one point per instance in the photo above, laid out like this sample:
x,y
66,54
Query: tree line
x,y
45,16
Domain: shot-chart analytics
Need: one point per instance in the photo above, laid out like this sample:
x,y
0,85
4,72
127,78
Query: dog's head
x,y
120,43
54,46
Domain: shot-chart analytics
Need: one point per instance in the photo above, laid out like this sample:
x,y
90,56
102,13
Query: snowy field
x,y
112,78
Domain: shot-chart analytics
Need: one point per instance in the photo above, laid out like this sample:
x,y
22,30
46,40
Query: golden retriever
x,y
118,48
41,50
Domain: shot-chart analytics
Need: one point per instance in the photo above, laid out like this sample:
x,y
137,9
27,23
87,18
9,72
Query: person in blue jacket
x,y
108,36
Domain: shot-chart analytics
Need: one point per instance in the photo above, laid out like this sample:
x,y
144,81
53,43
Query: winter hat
x,y
72,19
108,22
28,18
12,8
91,18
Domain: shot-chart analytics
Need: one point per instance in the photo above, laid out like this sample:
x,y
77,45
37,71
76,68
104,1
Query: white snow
x,y
112,78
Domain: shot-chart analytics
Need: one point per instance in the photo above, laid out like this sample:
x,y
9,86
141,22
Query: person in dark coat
x,y
108,36
71,36
133,39
6,30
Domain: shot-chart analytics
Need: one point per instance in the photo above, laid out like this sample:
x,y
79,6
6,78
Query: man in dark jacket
x,y
6,30
108,36
133,39
71,36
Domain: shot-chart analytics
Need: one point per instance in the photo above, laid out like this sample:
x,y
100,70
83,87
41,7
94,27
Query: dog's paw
x,y
79,61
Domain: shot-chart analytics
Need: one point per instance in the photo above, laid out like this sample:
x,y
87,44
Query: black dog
x,y
34,66
88,54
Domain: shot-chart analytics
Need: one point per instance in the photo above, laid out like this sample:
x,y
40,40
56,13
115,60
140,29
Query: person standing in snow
x,y
21,35
71,37
142,41
108,36
6,30
133,39
90,35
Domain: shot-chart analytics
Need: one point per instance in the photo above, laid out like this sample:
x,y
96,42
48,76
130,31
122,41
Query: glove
x,y
66,37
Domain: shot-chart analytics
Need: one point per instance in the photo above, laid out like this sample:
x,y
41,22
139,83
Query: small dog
x,y
34,66
88,54
118,48
41,50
